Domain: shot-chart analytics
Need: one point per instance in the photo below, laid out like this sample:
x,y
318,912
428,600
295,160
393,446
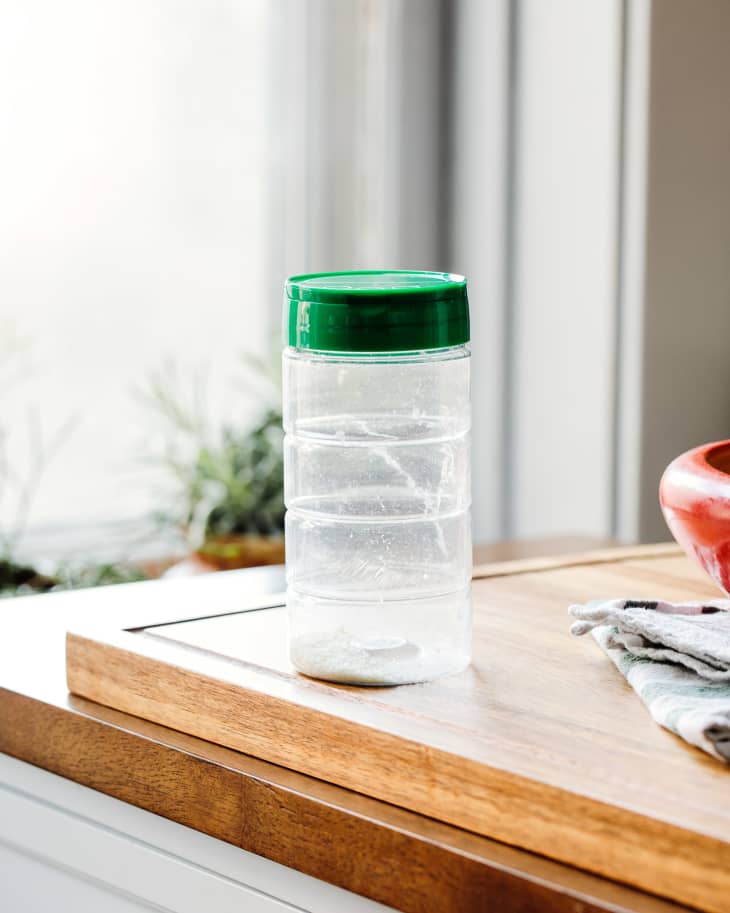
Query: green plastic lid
x,y
376,311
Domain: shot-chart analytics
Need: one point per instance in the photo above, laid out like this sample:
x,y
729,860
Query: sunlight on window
x,y
131,233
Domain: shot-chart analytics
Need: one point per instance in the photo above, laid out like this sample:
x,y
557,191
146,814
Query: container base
x,y
388,643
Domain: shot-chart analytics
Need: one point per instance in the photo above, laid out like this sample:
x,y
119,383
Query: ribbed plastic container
x,y
377,476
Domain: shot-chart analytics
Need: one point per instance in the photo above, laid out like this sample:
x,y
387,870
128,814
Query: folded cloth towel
x,y
676,656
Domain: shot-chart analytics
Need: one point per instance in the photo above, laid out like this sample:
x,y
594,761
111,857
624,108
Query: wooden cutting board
x,y
540,743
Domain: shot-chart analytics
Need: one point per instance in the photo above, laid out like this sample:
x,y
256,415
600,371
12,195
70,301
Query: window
x,y
165,166
132,232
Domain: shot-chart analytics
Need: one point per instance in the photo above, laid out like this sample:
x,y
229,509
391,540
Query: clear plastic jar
x,y
377,477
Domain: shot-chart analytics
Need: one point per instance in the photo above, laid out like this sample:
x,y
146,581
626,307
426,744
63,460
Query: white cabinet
x,y
31,885
65,848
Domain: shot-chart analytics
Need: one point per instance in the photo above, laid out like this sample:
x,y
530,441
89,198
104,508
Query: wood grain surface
x,y
540,743
518,549
393,856
409,862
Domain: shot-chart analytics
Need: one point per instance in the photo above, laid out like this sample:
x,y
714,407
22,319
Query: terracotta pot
x,y
226,553
695,497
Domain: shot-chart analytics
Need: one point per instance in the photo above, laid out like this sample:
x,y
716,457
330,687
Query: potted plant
x,y
226,492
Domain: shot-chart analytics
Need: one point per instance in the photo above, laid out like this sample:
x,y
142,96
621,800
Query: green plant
x,y
17,579
24,580
226,480
72,577
243,478
20,480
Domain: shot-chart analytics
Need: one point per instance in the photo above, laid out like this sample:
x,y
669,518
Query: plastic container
x,y
377,475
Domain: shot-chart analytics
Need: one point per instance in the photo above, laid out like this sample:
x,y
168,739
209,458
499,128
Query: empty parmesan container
x,y
377,475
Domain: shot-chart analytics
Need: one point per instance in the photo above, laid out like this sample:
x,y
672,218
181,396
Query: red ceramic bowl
x,y
695,497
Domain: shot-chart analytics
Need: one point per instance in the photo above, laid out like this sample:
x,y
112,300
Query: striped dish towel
x,y
676,656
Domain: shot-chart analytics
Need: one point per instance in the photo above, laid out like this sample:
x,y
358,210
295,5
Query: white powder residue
x,y
340,657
